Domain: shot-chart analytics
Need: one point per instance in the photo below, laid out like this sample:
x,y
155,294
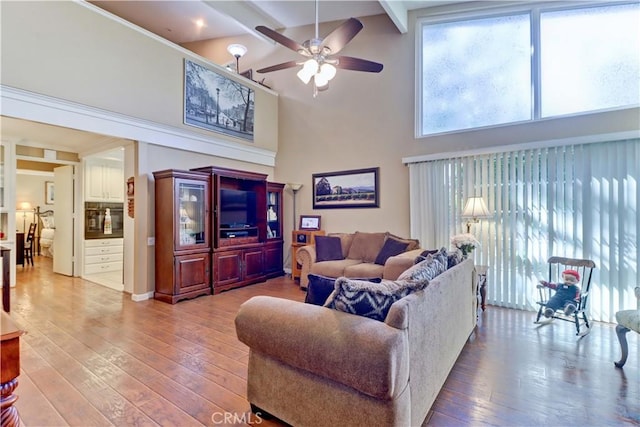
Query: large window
x,y
576,201
526,65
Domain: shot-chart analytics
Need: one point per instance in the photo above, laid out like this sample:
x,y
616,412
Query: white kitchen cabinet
x,y
103,255
104,180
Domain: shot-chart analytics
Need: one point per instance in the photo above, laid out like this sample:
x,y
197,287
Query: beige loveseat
x,y
314,366
359,252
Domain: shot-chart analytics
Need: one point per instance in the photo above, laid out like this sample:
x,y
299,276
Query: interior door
x,y
63,206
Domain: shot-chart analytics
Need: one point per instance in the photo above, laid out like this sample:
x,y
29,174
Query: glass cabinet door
x,y
192,213
274,211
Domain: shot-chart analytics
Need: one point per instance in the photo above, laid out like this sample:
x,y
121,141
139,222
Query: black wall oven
x,y
94,215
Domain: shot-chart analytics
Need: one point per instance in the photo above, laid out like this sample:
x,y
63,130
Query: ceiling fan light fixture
x,y
322,62
327,71
309,69
321,81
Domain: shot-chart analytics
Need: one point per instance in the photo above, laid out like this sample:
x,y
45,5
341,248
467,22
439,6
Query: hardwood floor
x,y
92,357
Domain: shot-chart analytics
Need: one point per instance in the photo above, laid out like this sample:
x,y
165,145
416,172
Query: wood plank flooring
x,y
92,357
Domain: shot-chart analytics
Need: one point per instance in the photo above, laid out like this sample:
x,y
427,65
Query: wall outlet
x,y
151,241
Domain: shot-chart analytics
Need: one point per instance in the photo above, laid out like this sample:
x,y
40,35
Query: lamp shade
x,y
237,50
328,71
294,187
25,206
475,208
308,70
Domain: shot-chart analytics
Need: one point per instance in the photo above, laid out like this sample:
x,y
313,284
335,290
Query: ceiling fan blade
x,y
342,35
357,64
278,67
283,40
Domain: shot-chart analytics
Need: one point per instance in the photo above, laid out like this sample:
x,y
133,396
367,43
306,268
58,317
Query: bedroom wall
x,y
30,188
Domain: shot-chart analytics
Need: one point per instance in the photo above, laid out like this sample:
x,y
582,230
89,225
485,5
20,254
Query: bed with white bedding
x,y
46,233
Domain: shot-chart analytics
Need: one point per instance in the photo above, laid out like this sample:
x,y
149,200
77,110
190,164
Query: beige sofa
x,y
314,366
359,251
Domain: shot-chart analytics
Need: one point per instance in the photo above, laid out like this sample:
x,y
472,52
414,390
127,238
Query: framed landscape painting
x,y
217,103
347,189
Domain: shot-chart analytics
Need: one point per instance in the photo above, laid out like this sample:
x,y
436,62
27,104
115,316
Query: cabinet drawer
x,y
97,259
102,268
104,250
93,243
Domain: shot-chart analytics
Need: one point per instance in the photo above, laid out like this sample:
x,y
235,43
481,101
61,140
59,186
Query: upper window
x,y
514,67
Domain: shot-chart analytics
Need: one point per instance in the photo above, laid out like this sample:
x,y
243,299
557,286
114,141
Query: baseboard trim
x,y
141,297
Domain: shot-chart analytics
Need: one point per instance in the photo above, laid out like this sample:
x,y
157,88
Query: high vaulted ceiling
x,y
177,20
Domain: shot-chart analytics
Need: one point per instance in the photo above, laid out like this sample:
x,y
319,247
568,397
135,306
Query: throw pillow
x,y
423,255
442,256
454,258
391,247
366,246
320,287
424,271
372,300
328,248
412,243
345,239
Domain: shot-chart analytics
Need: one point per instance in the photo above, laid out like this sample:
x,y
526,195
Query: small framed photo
x,y
309,222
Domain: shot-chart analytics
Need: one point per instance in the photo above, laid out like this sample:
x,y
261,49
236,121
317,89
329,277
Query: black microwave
x,y
94,220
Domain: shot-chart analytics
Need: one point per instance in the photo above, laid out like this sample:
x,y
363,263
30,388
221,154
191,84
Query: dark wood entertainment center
x,y
237,241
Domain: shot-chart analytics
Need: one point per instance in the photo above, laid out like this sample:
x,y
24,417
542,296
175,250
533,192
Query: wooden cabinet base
x,y
172,299
189,276
238,267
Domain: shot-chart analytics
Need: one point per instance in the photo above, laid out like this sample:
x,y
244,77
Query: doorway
x,y
38,153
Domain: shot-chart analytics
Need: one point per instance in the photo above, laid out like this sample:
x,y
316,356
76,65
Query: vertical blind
x,y
577,201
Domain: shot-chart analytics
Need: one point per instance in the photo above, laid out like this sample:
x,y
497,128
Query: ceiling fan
x,y
321,53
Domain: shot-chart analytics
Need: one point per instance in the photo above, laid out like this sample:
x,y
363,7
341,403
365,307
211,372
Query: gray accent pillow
x,y
320,287
391,247
328,248
372,300
425,270
454,258
423,255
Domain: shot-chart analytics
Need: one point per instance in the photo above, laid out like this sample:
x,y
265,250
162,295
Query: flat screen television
x,y
237,208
